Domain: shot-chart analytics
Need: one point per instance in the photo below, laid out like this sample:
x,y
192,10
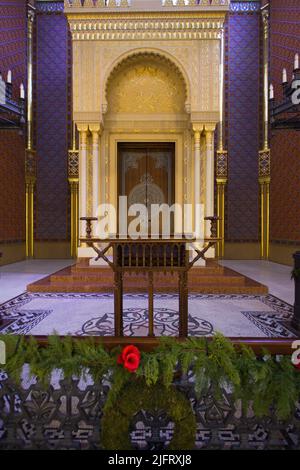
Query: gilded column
x,y
222,161
95,131
83,183
30,154
197,180
73,178
221,178
264,159
209,177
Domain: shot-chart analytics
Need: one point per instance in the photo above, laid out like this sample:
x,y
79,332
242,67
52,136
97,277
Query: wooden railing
x,y
275,346
145,257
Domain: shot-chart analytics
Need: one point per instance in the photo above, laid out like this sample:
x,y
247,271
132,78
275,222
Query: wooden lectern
x,y
148,256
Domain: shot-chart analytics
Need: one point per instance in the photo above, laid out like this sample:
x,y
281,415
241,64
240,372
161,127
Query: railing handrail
x,y
275,346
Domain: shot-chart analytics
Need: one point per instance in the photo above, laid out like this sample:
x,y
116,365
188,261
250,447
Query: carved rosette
x,y
264,166
222,165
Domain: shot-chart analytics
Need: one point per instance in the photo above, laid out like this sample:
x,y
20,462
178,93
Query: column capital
x,y
210,127
197,127
95,127
82,127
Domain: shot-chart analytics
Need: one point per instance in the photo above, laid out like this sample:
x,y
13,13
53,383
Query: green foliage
x,y
295,274
14,355
268,383
136,396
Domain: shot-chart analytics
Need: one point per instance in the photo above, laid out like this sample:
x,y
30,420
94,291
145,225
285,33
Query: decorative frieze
x,y
143,29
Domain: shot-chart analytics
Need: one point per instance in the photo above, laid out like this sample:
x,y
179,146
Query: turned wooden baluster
x,y
89,221
213,225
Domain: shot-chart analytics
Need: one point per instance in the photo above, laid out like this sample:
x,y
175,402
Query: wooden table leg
x,y
150,304
183,304
118,301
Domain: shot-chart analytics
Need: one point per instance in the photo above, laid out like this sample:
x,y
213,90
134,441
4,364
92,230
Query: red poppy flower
x,y
130,358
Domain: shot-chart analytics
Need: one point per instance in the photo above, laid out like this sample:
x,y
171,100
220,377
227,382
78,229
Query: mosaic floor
x,y
92,314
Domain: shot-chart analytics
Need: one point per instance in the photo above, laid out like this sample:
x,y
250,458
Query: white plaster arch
x,y
144,52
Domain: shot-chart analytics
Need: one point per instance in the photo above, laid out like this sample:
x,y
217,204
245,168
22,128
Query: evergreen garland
x,y
136,396
268,383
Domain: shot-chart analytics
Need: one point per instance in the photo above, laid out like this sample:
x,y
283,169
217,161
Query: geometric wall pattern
x,y
243,125
52,118
285,145
12,144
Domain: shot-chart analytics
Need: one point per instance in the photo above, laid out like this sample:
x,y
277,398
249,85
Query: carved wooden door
x,y
146,174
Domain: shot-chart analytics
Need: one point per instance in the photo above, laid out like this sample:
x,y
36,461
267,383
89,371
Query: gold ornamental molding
x,y
221,179
73,178
222,166
264,166
264,178
151,20
143,29
73,164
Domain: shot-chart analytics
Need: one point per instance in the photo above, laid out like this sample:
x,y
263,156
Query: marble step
x,y
66,281
106,278
101,270
254,289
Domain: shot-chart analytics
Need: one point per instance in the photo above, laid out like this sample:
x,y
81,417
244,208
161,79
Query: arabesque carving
x,y
146,83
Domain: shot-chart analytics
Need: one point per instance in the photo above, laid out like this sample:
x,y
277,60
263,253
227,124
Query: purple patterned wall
x,y
243,126
52,121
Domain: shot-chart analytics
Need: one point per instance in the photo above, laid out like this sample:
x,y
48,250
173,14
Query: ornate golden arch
x,y
133,57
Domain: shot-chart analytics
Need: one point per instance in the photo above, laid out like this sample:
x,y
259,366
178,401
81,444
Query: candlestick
x,y
271,92
22,92
9,77
296,62
284,76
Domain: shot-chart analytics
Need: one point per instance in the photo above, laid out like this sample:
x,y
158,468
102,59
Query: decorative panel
x,y
52,123
243,123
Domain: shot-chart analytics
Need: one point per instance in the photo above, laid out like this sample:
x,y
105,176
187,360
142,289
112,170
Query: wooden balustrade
x,y
147,256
